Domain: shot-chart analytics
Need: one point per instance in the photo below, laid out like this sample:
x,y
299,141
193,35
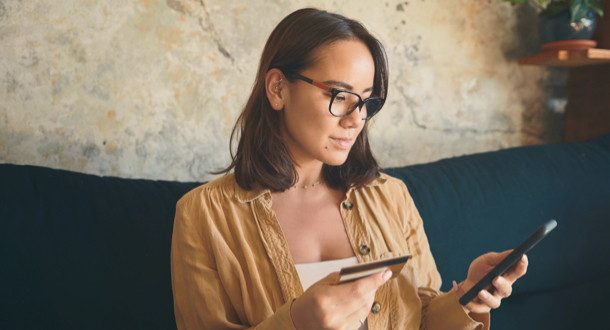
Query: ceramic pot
x,y
558,27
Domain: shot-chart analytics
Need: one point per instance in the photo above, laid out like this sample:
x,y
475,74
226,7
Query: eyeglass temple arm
x,y
321,85
315,83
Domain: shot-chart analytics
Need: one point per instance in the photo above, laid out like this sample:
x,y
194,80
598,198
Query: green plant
x,y
577,8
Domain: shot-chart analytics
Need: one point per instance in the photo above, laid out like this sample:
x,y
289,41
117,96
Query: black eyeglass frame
x,y
335,91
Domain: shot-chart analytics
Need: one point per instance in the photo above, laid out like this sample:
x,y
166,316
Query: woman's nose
x,y
354,119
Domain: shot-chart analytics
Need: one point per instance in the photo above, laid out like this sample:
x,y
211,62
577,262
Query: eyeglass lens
x,y
343,104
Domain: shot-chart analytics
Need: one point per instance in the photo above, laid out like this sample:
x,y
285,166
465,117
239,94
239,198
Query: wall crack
x,y
421,126
209,27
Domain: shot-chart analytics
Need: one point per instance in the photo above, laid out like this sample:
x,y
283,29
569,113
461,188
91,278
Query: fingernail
x,y
387,275
484,294
455,286
524,259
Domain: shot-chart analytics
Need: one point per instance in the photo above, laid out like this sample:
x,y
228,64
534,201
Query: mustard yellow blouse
x,y
232,269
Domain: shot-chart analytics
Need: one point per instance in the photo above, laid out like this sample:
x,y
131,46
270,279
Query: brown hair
x,y
262,156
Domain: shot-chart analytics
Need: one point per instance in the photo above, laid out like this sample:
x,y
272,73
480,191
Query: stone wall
x,y
151,88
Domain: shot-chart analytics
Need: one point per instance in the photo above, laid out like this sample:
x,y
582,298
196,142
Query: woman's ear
x,y
274,82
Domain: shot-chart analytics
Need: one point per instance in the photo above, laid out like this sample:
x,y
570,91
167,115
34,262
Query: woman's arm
x,y
200,299
439,310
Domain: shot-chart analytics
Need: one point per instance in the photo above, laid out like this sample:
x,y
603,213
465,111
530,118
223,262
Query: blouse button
x,y
364,250
376,308
348,205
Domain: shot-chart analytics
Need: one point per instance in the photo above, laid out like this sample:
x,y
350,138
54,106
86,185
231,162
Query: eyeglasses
x,y
344,102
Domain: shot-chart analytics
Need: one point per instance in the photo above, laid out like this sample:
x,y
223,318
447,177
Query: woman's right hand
x,y
343,306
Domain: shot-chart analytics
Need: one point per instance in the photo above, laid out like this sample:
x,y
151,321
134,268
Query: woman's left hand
x,y
502,286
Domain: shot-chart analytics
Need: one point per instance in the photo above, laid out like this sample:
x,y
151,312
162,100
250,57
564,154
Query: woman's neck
x,y
309,174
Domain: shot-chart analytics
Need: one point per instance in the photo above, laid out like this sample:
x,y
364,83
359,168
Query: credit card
x,y
352,273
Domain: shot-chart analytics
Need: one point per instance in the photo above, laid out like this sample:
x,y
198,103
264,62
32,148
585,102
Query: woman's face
x,y
310,131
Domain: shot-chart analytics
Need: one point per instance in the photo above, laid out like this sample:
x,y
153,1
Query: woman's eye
x,y
340,98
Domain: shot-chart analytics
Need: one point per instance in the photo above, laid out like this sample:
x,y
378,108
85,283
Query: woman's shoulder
x,y
387,183
389,187
392,181
222,186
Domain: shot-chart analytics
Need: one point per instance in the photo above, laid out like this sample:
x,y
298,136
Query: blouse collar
x,y
245,196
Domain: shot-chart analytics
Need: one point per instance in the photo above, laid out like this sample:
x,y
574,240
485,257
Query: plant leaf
x,y
578,10
514,2
554,8
597,7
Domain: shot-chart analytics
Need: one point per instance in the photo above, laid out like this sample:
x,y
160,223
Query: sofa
x,y
80,251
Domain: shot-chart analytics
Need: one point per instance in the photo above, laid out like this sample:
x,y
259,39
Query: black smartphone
x,y
505,264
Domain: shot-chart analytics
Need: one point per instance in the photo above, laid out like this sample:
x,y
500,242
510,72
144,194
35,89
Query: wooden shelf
x,y
568,58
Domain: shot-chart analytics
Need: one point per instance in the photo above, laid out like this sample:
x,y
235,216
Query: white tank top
x,y
312,272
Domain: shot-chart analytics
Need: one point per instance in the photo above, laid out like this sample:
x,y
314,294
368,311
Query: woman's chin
x,y
335,161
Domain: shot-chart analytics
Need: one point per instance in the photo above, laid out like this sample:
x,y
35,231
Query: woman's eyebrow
x,y
344,85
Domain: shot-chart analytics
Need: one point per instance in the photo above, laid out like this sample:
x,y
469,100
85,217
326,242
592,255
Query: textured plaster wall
x,y
151,88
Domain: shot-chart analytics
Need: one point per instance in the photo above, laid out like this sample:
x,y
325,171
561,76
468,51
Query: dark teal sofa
x,y
80,251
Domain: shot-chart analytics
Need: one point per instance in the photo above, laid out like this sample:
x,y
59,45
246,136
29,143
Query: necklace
x,y
305,186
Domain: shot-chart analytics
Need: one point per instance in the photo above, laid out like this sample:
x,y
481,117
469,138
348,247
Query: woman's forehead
x,y
349,61
342,50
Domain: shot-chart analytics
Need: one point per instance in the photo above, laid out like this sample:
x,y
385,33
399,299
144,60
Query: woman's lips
x,y
342,143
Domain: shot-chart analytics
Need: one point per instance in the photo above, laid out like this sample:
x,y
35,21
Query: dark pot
x,y
558,27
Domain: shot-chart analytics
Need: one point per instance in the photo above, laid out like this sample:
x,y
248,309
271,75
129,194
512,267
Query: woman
x,y
306,198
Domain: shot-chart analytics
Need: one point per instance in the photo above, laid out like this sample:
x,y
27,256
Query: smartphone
x,y
352,273
512,258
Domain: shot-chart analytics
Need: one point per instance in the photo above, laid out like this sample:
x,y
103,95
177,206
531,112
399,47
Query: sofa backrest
x,y
493,201
80,251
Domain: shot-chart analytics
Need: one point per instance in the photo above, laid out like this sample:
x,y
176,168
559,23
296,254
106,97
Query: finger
x,y
360,287
488,299
363,303
330,278
346,298
459,291
357,295
354,324
359,316
517,270
494,258
503,288
472,306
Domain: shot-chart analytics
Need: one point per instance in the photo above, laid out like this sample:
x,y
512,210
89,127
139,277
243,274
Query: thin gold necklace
x,y
305,186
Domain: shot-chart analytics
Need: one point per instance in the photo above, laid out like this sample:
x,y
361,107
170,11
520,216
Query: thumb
x,y
330,278
372,282
495,258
